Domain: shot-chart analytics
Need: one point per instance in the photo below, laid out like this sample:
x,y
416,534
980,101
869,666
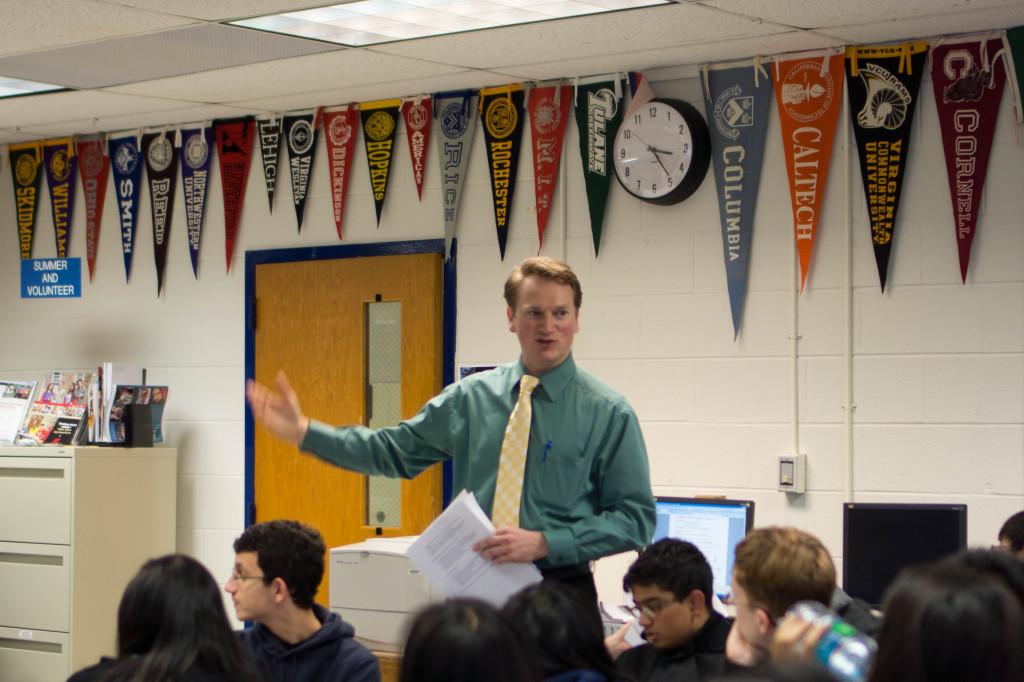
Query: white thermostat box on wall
x,y
793,473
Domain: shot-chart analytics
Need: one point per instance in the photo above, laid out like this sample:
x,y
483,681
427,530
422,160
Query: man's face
x,y
545,321
667,622
252,598
751,620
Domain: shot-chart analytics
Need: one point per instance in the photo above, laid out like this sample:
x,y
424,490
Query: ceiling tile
x,y
816,13
59,107
928,27
172,118
223,10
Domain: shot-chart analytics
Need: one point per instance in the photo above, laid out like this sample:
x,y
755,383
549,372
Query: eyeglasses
x,y
650,609
240,578
728,600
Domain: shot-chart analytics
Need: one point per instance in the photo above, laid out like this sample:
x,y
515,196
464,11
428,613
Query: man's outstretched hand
x,y
279,412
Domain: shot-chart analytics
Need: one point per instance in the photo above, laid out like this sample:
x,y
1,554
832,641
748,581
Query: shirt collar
x,y
552,382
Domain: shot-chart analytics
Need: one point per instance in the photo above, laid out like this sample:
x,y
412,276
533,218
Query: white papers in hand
x,y
444,552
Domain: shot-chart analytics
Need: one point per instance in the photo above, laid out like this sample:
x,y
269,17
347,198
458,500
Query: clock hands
x,y
655,151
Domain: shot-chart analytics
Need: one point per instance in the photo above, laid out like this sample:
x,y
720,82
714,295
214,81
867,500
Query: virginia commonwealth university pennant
x,y
968,77
340,127
598,116
61,171
234,137
455,113
882,82
300,132
417,114
268,129
809,93
380,122
501,110
93,165
26,160
126,167
737,99
549,112
162,172
196,145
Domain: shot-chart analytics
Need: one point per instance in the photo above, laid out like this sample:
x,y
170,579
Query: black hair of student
x,y
1013,531
171,620
673,565
288,550
785,673
466,640
1000,565
565,632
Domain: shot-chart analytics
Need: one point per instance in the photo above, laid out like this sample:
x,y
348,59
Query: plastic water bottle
x,y
842,649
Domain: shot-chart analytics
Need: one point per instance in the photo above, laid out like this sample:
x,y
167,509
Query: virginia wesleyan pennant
x,y
549,112
501,111
26,160
61,168
968,79
126,167
882,82
94,165
380,121
196,144
300,132
162,172
234,138
340,133
455,116
809,93
417,115
598,116
269,131
737,101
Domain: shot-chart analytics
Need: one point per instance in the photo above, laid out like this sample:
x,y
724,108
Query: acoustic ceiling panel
x,y
223,10
817,14
58,107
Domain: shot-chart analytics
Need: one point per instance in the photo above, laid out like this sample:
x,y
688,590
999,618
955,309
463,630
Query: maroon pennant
x,y
340,128
549,111
417,114
94,167
234,137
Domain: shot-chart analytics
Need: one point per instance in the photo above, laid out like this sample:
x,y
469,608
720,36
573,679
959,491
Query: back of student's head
x,y
1011,534
466,640
673,565
288,550
779,566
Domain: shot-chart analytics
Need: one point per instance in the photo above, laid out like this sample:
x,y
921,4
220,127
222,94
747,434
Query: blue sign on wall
x,y
51,278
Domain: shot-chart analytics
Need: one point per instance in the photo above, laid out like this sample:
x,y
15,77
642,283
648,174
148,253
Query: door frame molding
x,y
313,253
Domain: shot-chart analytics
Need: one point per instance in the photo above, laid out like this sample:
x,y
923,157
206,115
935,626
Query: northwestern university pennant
x,y
196,144
737,101
380,121
968,77
162,172
454,112
549,112
501,111
234,137
417,114
93,165
340,133
26,160
61,169
300,132
809,94
598,116
126,167
882,81
268,129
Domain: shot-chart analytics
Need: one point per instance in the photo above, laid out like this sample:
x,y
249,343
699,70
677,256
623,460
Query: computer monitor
x,y
879,540
715,525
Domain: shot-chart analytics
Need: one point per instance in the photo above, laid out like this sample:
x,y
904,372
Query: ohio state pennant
x,y
809,94
26,160
126,167
340,127
61,168
196,144
269,131
94,165
501,112
417,115
882,81
234,138
300,133
737,100
968,78
380,121
455,113
549,112
162,173
598,116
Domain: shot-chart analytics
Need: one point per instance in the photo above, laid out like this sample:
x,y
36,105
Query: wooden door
x,y
311,322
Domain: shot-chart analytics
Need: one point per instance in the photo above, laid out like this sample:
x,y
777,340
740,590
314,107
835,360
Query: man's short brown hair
x,y
546,268
778,566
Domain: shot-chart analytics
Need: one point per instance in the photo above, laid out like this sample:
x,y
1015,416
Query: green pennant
x,y
598,115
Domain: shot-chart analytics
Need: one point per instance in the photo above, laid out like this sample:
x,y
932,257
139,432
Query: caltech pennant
x,y
196,145
549,113
269,131
126,167
340,128
455,117
380,123
26,160
93,165
300,134
883,82
234,137
162,173
61,170
737,100
417,114
501,113
598,116
968,78
809,94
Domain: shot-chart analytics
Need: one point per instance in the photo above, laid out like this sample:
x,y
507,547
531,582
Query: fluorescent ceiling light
x,y
368,22
13,87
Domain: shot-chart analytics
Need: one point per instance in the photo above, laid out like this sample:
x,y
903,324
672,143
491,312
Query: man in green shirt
x,y
586,489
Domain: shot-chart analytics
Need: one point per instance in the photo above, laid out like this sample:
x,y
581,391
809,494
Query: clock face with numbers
x,y
662,151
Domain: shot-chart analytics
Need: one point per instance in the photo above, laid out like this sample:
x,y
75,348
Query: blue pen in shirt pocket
x,y
547,449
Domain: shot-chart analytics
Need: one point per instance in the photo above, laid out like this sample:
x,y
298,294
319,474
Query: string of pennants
x,y
968,76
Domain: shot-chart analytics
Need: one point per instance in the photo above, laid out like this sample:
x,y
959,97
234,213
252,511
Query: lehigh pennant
x,y
380,122
549,112
269,131
417,115
61,169
501,110
454,112
26,160
300,132
340,129
126,167
598,116
94,164
234,138
196,144
162,172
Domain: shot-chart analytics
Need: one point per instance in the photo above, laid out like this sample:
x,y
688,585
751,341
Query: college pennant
x,y
300,130
126,168
968,78
809,93
549,112
598,116
26,159
501,110
269,132
417,114
454,113
1015,41
195,178
61,169
234,138
380,121
162,172
94,166
882,82
737,100
340,134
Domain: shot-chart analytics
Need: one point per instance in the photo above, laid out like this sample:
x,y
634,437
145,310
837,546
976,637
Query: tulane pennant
x,y
598,116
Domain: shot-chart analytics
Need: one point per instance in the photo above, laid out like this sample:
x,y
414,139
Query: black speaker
x,y
138,426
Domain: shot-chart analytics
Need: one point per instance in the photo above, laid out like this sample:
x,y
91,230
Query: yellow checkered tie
x,y
509,490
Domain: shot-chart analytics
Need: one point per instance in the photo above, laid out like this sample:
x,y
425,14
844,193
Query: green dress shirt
x,y
587,486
